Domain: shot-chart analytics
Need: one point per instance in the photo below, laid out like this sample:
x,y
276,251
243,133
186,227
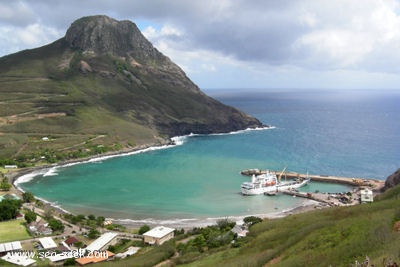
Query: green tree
x,y
56,225
251,220
100,220
80,217
93,233
200,242
28,197
69,262
9,209
143,229
225,224
5,185
30,216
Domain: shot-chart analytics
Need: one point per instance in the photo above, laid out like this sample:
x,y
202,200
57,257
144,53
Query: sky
x,y
312,44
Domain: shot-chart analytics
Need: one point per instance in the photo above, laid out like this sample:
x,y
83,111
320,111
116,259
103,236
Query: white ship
x,y
269,183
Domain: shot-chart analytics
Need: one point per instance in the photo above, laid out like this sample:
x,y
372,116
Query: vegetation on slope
x,y
331,237
103,84
340,236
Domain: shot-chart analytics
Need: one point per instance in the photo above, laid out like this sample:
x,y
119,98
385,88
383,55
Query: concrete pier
x,y
354,181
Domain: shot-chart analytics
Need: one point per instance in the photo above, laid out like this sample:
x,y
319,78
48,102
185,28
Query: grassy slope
x,y
57,91
336,236
13,230
83,103
330,237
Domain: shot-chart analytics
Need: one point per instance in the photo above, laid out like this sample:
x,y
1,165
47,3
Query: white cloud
x,y
15,13
31,36
358,34
238,42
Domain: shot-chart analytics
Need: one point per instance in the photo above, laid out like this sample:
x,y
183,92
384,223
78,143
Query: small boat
x,y
269,183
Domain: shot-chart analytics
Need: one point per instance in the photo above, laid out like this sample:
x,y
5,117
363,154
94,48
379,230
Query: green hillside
x,y
103,87
40,100
339,236
332,237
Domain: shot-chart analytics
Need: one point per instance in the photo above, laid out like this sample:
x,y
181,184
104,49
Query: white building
x,y
101,242
10,246
47,242
366,196
19,259
158,235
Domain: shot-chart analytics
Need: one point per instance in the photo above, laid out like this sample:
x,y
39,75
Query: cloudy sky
x,y
340,44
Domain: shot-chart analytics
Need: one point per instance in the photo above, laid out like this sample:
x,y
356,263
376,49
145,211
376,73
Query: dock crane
x,y
280,175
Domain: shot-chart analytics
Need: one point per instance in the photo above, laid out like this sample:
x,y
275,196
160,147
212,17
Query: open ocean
x,y
344,133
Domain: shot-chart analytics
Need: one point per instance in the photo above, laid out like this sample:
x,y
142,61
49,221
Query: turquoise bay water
x,y
331,133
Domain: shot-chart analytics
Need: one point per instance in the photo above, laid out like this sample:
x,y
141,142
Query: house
x,y
240,230
366,195
9,196
71,241
158,235
47,243
129,252
10,167
10,246
96,257
21,260
101,242
39,228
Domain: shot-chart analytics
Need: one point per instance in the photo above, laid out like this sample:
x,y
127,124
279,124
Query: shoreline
x,y
164,144
307,205
31,172
18,174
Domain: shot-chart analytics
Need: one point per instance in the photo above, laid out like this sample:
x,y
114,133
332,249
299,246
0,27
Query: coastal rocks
x,y
396,226
392,180
84,67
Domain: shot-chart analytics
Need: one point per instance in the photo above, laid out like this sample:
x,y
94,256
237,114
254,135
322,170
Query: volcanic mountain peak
x,y
101,35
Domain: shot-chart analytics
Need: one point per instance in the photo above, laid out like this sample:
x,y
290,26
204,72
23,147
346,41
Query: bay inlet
x,y
200,179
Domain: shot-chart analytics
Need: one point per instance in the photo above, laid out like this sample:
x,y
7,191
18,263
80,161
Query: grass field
x,y
13,230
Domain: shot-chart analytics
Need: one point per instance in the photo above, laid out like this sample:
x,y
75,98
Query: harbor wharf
x,y
354,181
341,199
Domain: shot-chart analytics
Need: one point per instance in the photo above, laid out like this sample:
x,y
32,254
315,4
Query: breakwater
x,y
354,181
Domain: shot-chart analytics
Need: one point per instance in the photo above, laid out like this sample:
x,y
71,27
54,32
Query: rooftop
x,y
18,260
71,240
95,258
159,231
47,243
10,246
100,242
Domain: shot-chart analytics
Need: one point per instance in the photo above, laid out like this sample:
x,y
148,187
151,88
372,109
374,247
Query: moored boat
x,y
269,183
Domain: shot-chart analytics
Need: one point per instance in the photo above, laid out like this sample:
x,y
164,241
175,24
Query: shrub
x,y
30,216
143,229
251,220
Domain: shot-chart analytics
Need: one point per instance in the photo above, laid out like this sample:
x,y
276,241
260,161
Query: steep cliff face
x,y
392,180
101,35
105,79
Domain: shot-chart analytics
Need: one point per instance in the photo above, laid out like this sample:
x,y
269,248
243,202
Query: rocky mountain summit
x,y
102,35
105,80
